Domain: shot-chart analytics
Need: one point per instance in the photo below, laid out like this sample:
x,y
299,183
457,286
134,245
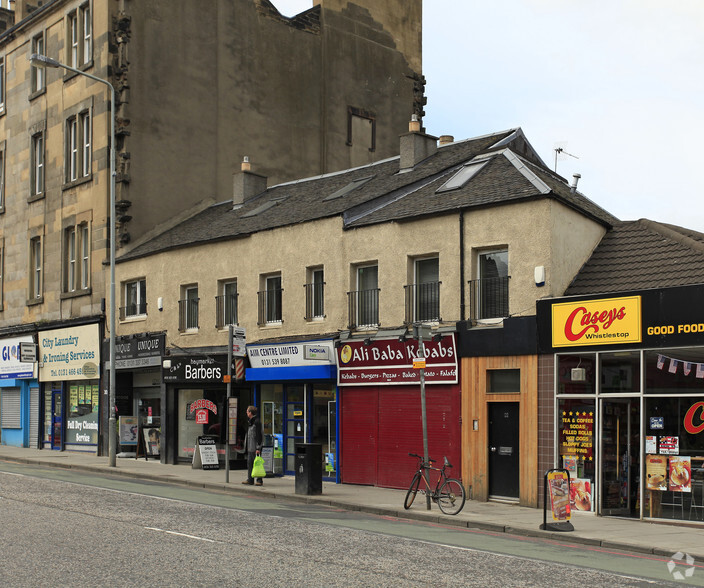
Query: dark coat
x,y
253,439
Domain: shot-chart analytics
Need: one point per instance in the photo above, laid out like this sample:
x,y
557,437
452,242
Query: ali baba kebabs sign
x,y
390,361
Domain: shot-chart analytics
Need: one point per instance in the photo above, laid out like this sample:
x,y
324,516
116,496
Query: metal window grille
x,y
315,300
188,314
363,308
226,310
423,302
489,297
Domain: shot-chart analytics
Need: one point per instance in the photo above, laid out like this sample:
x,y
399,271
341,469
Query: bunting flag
x,y
687,366
673,366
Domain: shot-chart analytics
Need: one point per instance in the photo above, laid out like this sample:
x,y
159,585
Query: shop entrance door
x,y
620,450
294,423
504,450
56,420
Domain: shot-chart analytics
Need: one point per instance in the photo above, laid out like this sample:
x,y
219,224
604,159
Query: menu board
x,y
576,434
559,490
656,472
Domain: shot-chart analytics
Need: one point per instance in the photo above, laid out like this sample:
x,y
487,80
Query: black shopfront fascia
x,y
195,370
670,317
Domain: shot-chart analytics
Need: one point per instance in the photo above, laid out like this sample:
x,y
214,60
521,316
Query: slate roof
x,y
513,172
640,255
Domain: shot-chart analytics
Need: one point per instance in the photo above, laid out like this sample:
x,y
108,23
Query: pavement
x,y
658,538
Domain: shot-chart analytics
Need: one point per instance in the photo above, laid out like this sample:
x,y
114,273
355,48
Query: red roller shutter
x,y
359,416
382,424
401,430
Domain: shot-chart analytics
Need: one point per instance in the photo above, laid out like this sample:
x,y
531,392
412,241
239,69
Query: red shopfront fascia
x,y
380,409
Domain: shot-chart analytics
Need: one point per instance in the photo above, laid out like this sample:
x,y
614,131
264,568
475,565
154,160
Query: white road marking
x,y
182,534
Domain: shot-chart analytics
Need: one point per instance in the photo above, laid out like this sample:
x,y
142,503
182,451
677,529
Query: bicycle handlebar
x,y
447,463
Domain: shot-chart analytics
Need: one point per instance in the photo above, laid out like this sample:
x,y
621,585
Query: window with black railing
x,y
270,302
489,297
188,310
315,300
226,310
363,307
423,302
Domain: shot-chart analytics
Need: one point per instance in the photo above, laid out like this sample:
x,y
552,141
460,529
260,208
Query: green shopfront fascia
x,y
629,400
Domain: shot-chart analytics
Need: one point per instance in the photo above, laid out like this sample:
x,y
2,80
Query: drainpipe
x,y
462,294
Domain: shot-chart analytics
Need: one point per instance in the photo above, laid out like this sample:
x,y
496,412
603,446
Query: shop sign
x,y
82,429
694,419
136,351
290,354
203,404
597,322
204,369
11,365
390,362
63,353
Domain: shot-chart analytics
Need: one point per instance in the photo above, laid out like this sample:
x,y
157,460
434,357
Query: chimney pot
x,y
414,125
574,183
246,166
445,139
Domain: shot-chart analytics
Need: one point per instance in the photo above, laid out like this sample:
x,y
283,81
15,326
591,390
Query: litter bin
x,y
309,468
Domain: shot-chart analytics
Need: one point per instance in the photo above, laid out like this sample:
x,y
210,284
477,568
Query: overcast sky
x,y
619,84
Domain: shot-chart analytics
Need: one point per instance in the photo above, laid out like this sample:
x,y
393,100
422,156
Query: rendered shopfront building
x,y
629,383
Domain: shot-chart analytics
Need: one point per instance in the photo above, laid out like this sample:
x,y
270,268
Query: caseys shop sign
x,y
596,322
694,419
390,361
666,317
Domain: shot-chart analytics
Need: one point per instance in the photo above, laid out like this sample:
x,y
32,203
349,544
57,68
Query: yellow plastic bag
x,y
258,467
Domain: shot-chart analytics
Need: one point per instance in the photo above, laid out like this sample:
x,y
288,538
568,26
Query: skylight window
x,y
462,176
348,188
263,207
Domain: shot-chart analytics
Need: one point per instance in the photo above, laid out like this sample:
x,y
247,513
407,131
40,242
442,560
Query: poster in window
x,y
656,473
651,444
152,440
73,398
581,497
669,445
680,474
81,394
96,396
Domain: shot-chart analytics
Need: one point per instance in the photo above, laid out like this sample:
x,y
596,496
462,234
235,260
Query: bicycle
x,y
449,492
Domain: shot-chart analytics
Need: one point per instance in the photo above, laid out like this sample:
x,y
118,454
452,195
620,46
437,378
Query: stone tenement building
x,y
199,87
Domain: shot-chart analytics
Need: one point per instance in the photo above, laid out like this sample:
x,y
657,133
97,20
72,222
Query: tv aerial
x,y
561,154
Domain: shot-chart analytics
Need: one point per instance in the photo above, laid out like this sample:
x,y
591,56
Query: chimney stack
x,y
416,146
246,184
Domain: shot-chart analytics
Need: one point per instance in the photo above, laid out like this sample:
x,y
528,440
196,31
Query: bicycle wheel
x,y
412,491
451,497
